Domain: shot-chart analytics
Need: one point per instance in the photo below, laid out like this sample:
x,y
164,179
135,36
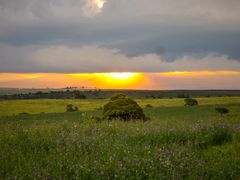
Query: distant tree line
x,y
48,95
71,93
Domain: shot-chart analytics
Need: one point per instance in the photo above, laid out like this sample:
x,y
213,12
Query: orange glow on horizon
x,y
124,80
121,80
197,73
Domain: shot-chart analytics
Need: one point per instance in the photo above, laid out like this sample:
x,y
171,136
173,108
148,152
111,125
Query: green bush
x,y
123,108
149,106
222,111
190,102
71,108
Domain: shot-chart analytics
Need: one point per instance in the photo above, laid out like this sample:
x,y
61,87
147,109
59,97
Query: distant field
x,y
14,107
177,143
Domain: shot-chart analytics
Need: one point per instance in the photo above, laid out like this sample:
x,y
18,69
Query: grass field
x,y
177,143
14,107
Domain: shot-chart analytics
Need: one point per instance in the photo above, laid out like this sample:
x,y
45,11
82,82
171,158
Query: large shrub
x,y
149,106
222,110
71,108
190,102
123,108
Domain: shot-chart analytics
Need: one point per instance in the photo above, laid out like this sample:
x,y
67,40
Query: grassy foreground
x,y
177,143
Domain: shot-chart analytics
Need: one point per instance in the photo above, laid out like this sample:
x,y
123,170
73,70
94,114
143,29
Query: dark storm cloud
x,y
169,30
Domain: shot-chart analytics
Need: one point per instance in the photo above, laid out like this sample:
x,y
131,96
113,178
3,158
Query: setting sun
x,y
120,80
120,76
123,80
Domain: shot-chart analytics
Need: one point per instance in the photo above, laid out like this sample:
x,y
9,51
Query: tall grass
x,y
112,150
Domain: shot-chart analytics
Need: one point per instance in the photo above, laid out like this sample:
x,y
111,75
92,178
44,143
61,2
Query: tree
x,y
71,108
222,110
123,108
190,102
149,106
79,95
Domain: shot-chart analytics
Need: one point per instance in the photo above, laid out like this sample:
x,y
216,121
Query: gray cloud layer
x,y
127,35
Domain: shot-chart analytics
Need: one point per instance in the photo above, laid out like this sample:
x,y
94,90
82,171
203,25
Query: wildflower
x,y
101,173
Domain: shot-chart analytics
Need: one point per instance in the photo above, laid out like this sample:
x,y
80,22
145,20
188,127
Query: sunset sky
x,y
120,44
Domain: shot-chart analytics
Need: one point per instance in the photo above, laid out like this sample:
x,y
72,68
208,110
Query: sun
x,y
119,80
111,80
120,76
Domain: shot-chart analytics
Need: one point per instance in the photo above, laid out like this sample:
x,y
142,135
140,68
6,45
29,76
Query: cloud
x,y
214,12
62,59
93,7
32,9
167,32
94,59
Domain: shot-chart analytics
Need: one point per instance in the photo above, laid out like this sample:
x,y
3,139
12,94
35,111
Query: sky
x,y
171,44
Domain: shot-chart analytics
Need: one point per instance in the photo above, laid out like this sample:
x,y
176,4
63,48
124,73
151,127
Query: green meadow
x,y
39,140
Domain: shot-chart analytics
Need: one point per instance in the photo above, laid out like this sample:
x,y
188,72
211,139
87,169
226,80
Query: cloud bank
x,y
124,35
94,59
